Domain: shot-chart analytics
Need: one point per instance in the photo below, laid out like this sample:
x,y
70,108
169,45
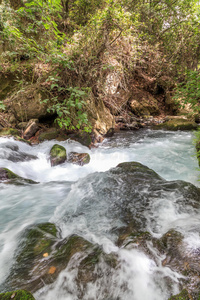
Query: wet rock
x,y
43,255
32,128
129,126
79,158
58,155
82,137
17,295
10,151
9,177
9,132
180,257
110,133
177,124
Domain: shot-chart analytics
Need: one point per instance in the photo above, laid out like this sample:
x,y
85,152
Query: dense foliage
x,y
76,41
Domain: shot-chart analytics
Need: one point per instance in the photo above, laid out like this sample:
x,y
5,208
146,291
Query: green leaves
x,y
188,92
2,106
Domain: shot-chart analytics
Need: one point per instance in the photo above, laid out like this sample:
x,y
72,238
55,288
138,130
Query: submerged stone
x,y
17,295
43,255
10,151
9,177
79,158
58,155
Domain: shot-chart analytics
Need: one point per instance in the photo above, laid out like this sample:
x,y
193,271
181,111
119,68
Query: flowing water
x,y
71,197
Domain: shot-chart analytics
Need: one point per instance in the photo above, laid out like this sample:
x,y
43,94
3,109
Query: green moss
x,y
11,178
48,135
17,295
82,137
58,155
177,124
184,295
67,249
17,138
9,131
38,241
10,174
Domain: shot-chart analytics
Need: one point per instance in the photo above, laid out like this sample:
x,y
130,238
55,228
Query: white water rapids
x,y
60,192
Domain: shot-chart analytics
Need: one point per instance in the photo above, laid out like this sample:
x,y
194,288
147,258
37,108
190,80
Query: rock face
x,y
27,105
177,124
79,158
17,295
143,106
58,155
99,115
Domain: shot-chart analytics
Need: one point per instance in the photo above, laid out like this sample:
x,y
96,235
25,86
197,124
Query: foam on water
x,y
58,198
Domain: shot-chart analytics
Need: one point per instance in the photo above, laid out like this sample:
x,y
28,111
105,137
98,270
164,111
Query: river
x,y
64,196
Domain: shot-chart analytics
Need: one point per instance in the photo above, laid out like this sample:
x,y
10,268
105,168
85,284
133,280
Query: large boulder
x,y
10,151
143,104
58,155
42,255
27,104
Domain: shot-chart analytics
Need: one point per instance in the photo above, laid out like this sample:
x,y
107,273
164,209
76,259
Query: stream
x,y
83,200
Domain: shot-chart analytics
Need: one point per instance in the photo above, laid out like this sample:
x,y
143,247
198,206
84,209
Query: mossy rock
x,y
9,177
8,132
82,137
17,138
58,155
138,238
80,159
17,295
184,295
48,135
177,124
38,241
43,256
